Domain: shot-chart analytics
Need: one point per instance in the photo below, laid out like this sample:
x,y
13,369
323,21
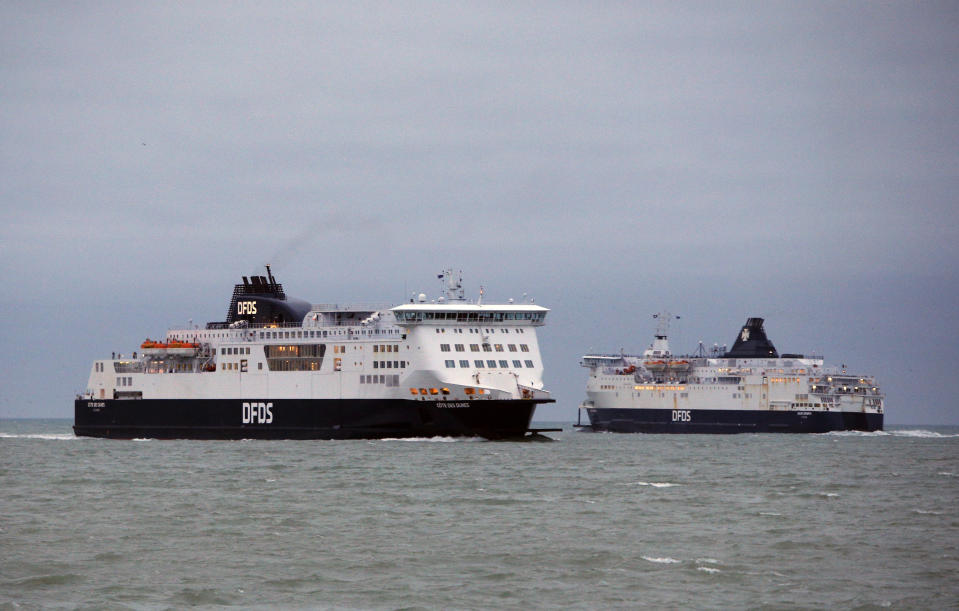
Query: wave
x,y
663,560
434,439
657,484
914,433
922,434
48,436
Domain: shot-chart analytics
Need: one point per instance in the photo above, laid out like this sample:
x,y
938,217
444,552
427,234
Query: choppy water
x,y
588,521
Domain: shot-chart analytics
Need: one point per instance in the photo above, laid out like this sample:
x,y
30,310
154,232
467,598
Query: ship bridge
x,y
445,313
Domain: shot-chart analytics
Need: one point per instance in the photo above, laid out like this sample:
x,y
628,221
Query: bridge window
x,y
450,364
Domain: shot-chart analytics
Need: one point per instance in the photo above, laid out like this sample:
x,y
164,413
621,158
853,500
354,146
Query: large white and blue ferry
x,y
281,368
749,388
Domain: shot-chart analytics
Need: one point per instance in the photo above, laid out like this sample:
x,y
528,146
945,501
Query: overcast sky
x,y
796,161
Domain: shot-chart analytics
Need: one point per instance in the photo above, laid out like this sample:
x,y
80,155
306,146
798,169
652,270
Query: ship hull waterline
x,y
302,418
629,420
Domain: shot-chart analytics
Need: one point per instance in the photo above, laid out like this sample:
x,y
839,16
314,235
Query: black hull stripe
x,y
301,418
729,421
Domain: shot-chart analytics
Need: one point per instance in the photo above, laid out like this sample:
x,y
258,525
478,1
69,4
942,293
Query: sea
x,y
586,521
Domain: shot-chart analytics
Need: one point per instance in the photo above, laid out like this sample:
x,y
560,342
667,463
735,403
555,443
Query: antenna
x,y
453,285
662,329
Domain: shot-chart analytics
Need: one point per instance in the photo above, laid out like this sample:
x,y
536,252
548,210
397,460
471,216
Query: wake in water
x,y
47,436
434,439
914,433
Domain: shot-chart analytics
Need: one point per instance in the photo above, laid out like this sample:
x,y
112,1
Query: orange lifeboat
x,y
152,347
182,348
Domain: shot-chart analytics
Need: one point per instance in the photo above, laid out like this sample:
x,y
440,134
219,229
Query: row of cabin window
x,y
386,348
471,316
124,381
296,334
451,364
486,331
486,347
389,380
242,350
389,364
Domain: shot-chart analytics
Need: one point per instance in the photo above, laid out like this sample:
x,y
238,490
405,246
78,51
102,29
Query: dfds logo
x,y
257,413
246,307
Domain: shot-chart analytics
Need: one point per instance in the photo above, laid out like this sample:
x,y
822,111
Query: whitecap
x,y
857,433
657,484
946,473
48,436
769,513
708,569
434,439
663,560
829,495
707,560
927,512
922,434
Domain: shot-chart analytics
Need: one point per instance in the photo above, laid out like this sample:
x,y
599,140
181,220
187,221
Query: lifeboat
x,y
174,348
681,365
182,348
152,347
655,365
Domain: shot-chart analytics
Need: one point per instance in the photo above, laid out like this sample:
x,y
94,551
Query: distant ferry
x,y
281,368
750,388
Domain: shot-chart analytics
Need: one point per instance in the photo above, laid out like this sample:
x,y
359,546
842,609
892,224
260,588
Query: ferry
x,y
750,388
282,368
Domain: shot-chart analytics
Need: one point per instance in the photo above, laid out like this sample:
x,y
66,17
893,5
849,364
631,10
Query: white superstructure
x,y
749,386
442,350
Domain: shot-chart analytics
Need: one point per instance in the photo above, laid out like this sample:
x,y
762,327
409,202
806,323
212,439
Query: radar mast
x,y
452,285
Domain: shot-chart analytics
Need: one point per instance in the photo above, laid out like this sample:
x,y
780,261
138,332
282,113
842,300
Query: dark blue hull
x,y
300,418
729,421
